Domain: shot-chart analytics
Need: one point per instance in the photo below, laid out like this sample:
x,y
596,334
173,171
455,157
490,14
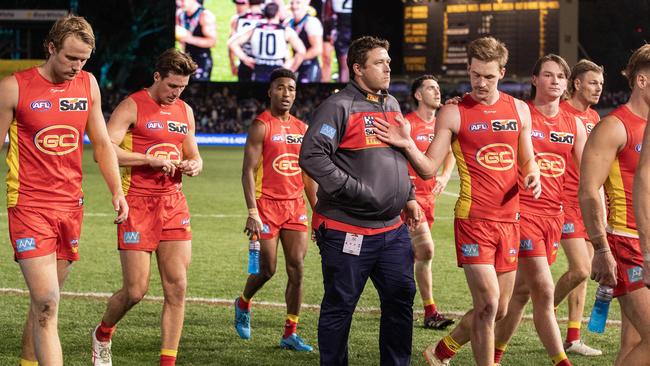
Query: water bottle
x,y
600,309
254,256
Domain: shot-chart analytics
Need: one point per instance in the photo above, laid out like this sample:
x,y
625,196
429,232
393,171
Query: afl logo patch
x,y
40,105
154,125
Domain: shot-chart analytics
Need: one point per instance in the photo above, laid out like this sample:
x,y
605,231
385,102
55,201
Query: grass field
x,y
218,272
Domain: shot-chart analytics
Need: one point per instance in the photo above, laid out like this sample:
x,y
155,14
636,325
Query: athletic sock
x,y
561,360
447,348
429,308
244,304
499,350
104,333
290,325
168,357
573,331
24,362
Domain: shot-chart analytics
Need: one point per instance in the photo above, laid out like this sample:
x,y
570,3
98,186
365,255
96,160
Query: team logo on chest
x,y
498,156
73,104
561,137
287,165
177,127
503,125
57,140
550,165
369,131
165,151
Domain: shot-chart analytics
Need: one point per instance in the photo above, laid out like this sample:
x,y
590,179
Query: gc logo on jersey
x,y
73,104
562,137
165,151
498,156
57,140
40,105
294,139
287,164
500,125
177,127
550,165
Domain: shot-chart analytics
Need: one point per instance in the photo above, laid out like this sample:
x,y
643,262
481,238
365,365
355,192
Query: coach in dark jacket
x,y
363,187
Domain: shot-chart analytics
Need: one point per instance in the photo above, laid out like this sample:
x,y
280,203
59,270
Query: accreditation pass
x,y
352,244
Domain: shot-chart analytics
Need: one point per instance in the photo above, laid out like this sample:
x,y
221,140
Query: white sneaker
x,y
101,351
580,348
430,355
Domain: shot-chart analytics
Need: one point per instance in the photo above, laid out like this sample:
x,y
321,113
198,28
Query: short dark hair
x,y
271,10
176,62
282,73
417,83
255,2
359,48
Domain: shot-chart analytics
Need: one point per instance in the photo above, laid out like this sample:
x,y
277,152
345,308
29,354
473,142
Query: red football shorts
x,y
487,242
279,215
629,263
573,226
37,232
540,236
153,219
427,205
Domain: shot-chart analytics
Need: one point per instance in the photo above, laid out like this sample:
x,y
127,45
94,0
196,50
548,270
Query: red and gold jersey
x,y
46,141
159,130
486,155
278,176
422,133
553,140
589,119
618,186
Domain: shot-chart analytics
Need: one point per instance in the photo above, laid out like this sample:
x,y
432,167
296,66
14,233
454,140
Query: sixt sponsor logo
x,y
589,127
635,274
568,228
294,139
536,134
40,105
478,126
73,104
177,127
155,125
277,138
525,245
469,250
562,137
25,244
131,237
501,125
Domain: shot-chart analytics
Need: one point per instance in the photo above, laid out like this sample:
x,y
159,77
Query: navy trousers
x,y
387,259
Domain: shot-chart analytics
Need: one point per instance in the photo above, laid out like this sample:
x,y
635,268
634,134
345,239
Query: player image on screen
x,y
197,32
241,22
310,31
269,49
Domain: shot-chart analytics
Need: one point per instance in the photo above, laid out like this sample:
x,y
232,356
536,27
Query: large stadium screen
x,y
257,31
436,34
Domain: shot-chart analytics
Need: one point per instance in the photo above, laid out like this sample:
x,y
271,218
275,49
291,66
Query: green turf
x,y
218,271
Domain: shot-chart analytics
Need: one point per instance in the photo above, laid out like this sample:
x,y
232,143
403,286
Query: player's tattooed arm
x,y
601,149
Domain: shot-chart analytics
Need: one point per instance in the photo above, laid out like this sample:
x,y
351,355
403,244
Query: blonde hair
x,y
488,49
639,60
582,67
69,25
